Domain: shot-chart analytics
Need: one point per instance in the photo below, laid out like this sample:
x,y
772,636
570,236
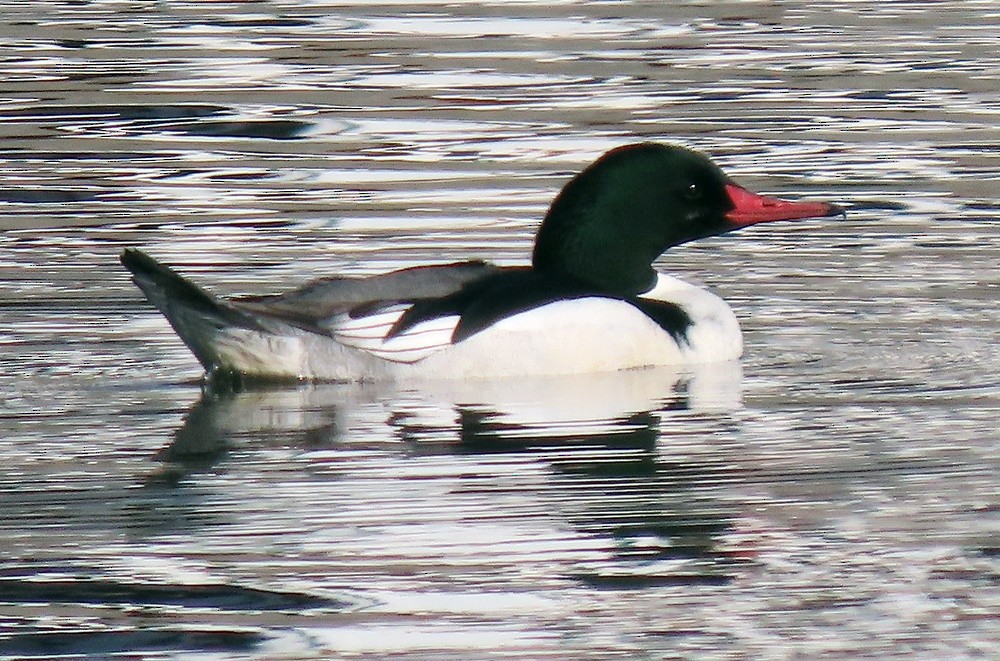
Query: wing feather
x,y
369,334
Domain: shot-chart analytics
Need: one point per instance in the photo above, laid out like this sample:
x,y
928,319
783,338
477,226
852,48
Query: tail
x,y
200,319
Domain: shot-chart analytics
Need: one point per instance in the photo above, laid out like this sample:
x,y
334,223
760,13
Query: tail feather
x,y
197,316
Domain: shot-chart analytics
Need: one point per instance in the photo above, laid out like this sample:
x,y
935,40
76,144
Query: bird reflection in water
x,y
610,472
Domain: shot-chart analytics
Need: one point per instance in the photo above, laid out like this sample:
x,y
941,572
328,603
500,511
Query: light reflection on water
x,y
836,496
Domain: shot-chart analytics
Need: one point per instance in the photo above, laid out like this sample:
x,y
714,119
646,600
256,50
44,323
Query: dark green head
x,y
613,219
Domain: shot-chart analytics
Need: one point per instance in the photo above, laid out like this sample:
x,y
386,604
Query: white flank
x,y
572,336
368,334
564,337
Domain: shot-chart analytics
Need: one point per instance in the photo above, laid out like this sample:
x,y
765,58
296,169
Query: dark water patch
x,y
168,112
77,304
32,154
130,642
870,95
485,433
243,22
982,206
47,195
644,582
135,112
970,147
74,43
219,176
877,205
30,590
950,244
275,129
972,575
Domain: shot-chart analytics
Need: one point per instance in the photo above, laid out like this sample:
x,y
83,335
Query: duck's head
x,y
611,221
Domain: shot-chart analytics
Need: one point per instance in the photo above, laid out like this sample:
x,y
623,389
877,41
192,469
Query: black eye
x,y
693,191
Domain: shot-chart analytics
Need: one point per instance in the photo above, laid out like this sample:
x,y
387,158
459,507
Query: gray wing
x,y
318,303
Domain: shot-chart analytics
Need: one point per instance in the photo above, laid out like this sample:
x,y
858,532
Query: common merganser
x,y
590,301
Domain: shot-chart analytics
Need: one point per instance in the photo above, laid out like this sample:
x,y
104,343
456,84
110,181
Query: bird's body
x,y
589,302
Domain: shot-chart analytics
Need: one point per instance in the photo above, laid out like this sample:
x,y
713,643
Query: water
x,y
836,497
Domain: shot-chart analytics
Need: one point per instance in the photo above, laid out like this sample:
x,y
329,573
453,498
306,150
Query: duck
x,y
590,300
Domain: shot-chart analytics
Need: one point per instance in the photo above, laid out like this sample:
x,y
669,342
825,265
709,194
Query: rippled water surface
x,y
834,497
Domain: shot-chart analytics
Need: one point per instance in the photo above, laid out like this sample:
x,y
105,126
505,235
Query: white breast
x,y
715,332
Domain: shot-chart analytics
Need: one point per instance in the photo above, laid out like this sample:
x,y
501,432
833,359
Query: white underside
x,y
566,337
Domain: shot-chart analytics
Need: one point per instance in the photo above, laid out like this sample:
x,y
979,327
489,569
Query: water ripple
x,y
835,499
